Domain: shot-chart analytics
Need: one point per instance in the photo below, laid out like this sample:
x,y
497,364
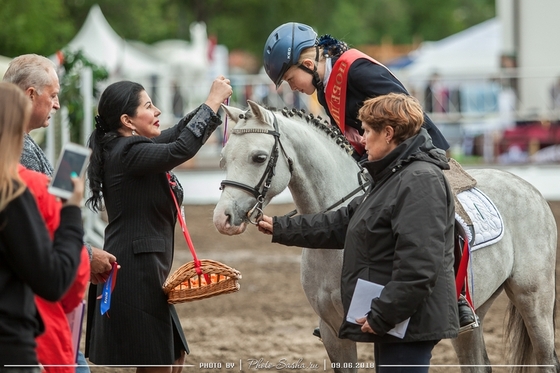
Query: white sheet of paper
x,y
360,305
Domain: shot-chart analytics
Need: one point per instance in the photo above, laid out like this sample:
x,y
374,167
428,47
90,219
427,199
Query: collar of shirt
x,y
328,69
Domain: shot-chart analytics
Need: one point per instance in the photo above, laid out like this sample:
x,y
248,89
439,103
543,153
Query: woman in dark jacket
x,y
128,171
343,78
398,235
30,263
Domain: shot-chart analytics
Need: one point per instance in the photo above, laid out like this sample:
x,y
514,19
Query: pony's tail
x,y
521,352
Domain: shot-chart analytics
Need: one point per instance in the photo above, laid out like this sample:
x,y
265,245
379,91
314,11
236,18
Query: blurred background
x,y
487,71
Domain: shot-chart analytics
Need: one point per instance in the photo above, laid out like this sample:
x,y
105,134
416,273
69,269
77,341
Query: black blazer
x,y
142,328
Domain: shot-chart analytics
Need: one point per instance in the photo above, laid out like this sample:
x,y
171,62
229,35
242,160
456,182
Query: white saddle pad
x,y
488,224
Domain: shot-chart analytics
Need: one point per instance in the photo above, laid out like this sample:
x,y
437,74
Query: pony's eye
x,y
259,158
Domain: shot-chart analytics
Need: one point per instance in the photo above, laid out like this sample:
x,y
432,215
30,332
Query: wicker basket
x,y
185,285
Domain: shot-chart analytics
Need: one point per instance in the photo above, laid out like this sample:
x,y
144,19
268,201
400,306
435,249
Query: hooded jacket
x,y
399,235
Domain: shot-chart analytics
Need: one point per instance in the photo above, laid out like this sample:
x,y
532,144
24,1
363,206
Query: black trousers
x,y
406,357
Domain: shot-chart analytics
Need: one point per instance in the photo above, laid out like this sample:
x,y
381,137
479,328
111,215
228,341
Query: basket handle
x,y
197,264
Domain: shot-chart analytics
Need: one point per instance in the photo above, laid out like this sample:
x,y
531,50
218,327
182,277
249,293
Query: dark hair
x,y
118,98
331,47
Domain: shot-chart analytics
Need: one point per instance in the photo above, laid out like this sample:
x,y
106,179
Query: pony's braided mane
x,y
332,132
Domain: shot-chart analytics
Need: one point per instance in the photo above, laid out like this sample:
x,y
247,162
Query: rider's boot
x,y
467,317
317,332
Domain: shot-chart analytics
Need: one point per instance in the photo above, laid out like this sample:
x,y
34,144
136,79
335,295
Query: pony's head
x,y
257,167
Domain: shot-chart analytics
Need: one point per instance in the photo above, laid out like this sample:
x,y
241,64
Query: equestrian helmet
x,y
283,48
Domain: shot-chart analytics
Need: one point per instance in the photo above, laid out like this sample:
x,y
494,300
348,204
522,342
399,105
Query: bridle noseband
x,y
260,190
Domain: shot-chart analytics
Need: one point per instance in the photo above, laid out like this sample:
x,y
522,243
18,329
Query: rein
x,y
261,189
362,187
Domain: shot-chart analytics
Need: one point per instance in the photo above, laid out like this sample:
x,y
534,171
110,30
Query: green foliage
x,y
70,85
33,26
44,26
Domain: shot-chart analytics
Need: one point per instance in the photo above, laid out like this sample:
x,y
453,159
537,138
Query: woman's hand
x,y
365,326
265,225
101,265
78,193
219,92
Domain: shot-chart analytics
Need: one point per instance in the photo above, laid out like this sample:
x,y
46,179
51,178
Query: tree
x,y
70,94
33,26
44,26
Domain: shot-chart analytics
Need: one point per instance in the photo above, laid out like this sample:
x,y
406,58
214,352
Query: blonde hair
x,y
15,110
310,53
398,110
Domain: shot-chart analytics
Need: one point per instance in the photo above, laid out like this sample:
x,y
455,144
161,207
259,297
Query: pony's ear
x,y
260,112
233,113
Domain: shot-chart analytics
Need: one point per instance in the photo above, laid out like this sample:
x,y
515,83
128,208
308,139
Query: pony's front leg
x,y
470,347
342,352
471,351
320,277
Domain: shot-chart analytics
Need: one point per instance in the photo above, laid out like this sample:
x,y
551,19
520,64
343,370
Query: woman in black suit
x,y
128,172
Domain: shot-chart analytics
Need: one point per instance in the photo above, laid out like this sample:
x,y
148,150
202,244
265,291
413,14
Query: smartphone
x,y
73,159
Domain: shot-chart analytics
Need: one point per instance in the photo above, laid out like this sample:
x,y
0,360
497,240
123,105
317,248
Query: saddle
x,y
478,221
474,213
460,181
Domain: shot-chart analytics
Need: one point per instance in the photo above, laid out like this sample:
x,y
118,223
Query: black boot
x,y
467,318
317,332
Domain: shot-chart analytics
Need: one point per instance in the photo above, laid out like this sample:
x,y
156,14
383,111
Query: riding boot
x,y
317,332
467,317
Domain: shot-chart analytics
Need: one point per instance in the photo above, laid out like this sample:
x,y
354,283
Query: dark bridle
x,y
260,190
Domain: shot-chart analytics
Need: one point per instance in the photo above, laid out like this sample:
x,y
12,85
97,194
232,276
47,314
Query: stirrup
x,y
469,327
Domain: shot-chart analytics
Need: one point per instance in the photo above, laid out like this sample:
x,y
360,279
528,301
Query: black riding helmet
x,y
283,49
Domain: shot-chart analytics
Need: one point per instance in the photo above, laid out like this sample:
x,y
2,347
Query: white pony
x,y
268,151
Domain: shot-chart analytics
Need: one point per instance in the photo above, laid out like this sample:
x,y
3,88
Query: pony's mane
x,y
333,132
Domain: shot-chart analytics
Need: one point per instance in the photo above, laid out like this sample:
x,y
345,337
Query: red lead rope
x,y
197,265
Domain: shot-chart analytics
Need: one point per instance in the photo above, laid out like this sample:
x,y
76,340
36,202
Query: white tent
x,y
157,67
474,52
103,46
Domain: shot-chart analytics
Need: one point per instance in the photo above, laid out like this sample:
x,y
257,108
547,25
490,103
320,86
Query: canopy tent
x,y
474,52
160,67
103,46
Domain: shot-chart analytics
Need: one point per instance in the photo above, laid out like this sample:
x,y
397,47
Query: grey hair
x,y
30,70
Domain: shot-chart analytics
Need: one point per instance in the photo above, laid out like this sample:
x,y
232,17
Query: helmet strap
x,y
317,82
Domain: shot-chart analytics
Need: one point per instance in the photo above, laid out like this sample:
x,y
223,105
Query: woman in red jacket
x,y
55,345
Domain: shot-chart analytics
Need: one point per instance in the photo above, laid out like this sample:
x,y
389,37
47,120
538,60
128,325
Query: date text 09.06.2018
x,y
357,365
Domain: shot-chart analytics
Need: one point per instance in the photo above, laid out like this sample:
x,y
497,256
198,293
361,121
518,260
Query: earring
x,y
134,133
387,141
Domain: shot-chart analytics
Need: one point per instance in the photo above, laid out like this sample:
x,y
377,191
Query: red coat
x,y
54,347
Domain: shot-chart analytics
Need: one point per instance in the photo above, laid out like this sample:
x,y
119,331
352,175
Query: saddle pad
x,y
488,224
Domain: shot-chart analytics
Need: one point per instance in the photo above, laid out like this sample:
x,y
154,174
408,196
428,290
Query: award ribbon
x,y
108,288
